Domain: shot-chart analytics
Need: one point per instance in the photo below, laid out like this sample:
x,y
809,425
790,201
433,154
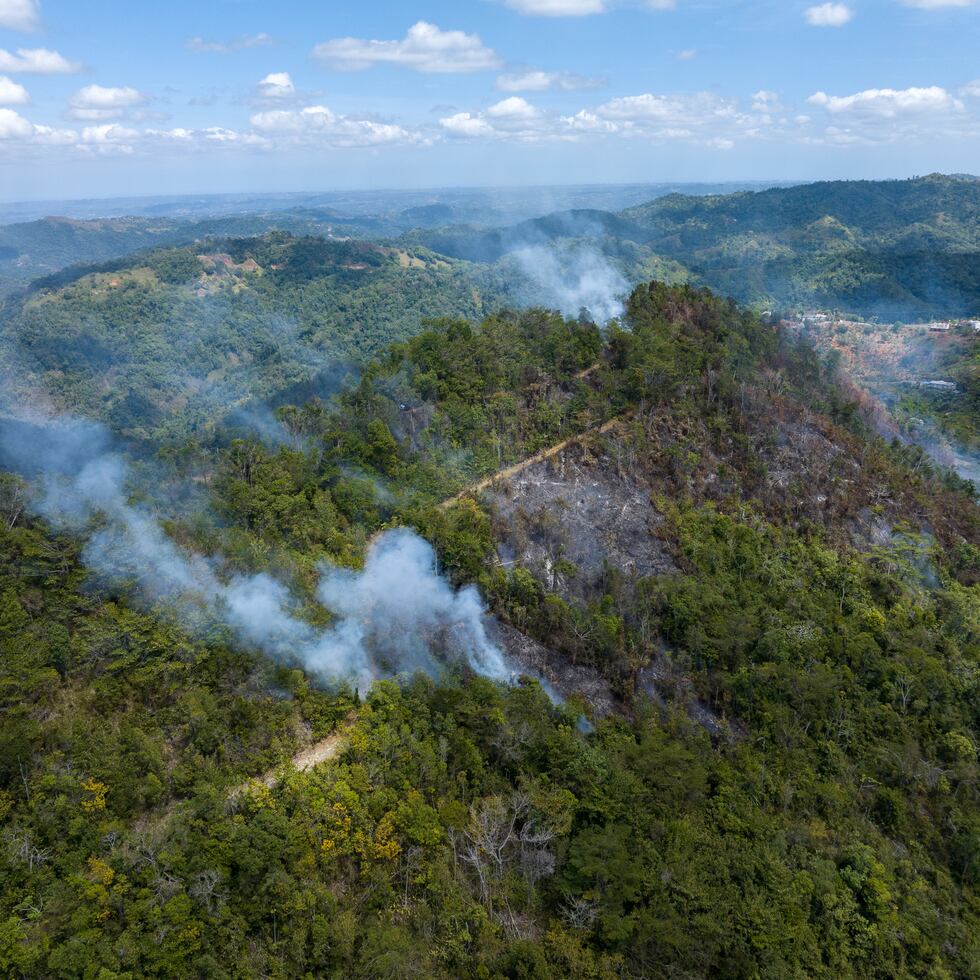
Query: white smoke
x,y
389,617
401,603
574,279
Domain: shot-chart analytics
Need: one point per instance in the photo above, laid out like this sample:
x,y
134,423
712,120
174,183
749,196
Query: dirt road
x,y
322,751
512,471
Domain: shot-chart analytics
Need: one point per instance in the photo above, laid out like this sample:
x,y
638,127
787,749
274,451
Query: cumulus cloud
x,y
939,4
425,48
221,136
558,8
537,80
20,15
702,118
893,115
512,118
277,85
586,121
37,61
513,108
203,46
14,126
321,124
829,15
466,125
971,89
11,93
109,133
95,102
688,54
578,8
888,103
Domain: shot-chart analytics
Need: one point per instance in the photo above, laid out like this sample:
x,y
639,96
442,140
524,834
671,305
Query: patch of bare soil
x,y
576,513
565,678
323,751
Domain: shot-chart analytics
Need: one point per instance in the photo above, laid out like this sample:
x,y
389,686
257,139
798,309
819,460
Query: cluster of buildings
x,y
946,326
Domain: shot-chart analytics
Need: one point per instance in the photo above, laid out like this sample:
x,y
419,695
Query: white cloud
x,y
513,108
47,136
829,15
11,93
577,8
465,124
888,103
95,102
513,118
14,126
109,133
766,102
37,61
218,134
588,122
424,48
971,90
536,80
688,54
109,139
178,134
204,46
558,8
703,118
900,116
319,123
648,110
20,15
277,85
939,4
99,97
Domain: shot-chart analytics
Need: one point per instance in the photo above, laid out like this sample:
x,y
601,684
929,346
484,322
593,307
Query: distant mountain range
x,y
899,249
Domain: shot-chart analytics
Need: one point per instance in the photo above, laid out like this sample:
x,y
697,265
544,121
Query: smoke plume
x,y
574,279
388,617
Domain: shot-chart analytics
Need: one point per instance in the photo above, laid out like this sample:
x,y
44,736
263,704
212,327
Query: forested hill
x,y
897,249
35,249
902,250
929,212
771,616
167,342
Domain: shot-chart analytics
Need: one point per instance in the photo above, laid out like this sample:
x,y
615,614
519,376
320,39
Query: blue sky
x,y
110,97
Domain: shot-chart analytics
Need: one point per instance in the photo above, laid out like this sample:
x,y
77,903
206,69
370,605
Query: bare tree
x,y
579,913
23,849
205,888
502,836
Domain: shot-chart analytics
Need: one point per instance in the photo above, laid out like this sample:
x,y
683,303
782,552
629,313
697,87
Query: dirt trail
x,y
517,468
322,751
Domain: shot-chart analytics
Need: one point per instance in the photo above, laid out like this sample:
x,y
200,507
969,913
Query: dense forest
x,y
900,250
267,313
779,779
